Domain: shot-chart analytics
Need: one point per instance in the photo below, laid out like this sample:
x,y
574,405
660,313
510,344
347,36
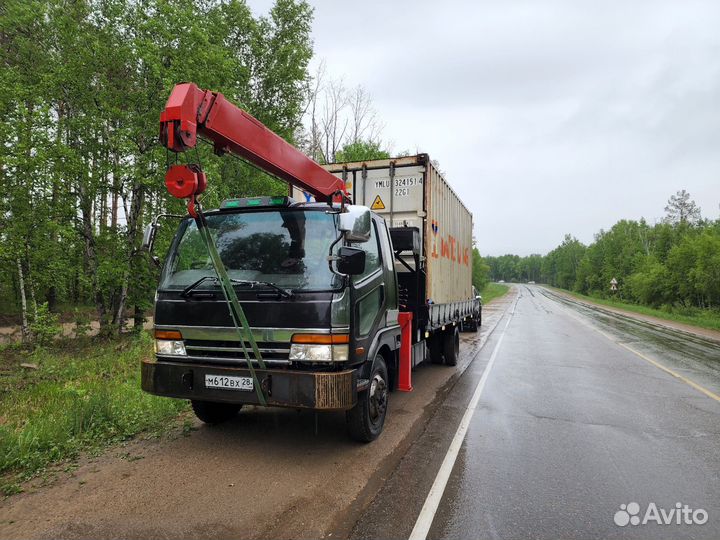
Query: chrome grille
x,y
231,352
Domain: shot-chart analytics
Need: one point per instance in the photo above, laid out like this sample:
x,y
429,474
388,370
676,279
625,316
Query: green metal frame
x,y
236,311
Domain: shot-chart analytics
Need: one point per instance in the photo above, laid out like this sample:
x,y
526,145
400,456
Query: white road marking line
x,y
427,514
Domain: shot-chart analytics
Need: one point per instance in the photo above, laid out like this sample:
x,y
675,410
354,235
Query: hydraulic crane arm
x,y
191,112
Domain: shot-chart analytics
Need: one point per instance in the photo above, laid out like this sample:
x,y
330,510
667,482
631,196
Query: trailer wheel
x,y
451,346
474,325
211,412
366,419
434,345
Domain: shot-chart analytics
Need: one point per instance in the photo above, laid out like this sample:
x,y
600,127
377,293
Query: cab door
x,y
369,293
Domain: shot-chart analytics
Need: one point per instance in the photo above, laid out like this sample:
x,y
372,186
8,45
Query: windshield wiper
x,y
283,292
187,291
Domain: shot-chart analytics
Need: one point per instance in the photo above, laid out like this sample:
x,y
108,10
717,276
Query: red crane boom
x,y
191,112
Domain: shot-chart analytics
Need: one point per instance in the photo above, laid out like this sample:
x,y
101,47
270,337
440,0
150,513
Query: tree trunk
x,y
51,298
30,284
115,193
76,293
25,327
138,320
133,223
90,253
51,294
119,316
32,296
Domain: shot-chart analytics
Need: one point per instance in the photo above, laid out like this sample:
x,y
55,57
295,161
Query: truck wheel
x,y
365,420
451,346
435,348
214,413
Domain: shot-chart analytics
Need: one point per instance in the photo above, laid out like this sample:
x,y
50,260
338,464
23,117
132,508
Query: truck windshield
x,y
287,247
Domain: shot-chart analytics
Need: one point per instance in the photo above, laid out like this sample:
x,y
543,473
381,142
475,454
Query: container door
x,y
399,199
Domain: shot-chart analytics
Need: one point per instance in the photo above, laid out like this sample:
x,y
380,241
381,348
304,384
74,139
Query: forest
x,y
81,169
673,264
82,85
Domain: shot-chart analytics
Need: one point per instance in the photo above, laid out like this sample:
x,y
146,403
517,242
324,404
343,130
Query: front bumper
x,y
283,388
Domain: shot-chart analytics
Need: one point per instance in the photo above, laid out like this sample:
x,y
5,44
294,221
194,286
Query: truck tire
x,y
434,345
214,413
451,346
469,325
366,419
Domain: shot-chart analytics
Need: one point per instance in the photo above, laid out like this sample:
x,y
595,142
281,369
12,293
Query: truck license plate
x,y
228,383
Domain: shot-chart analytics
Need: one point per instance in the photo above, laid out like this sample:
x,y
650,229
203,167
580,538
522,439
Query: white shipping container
x,y
411,192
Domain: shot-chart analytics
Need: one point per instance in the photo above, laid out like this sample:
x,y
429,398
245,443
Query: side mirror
x,y
149,236
355,223
351,261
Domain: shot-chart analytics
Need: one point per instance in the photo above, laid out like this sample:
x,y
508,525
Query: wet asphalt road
x,y
570,426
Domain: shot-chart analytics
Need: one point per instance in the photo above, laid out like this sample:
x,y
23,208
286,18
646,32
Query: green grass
x,y
492,291
84,395
704,318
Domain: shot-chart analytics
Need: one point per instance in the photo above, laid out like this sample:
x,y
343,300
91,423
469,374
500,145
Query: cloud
x,y
549,117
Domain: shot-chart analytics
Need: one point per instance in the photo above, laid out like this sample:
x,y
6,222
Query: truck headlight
x,y
320,348
170,347
305,352
169,343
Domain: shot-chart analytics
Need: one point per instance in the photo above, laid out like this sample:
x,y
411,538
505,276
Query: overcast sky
x,y
548,117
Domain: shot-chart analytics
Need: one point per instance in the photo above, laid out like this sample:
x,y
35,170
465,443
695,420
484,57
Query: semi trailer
x,y
307,301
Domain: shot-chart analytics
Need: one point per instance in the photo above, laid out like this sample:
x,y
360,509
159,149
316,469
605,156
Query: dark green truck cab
x,y
325,321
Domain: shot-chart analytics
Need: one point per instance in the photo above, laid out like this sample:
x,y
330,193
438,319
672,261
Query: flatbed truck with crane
x,y
315,303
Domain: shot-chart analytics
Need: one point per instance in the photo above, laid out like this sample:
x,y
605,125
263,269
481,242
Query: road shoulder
x,y
705,333
266,474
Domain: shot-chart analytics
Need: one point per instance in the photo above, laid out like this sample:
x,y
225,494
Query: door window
x,y
372,254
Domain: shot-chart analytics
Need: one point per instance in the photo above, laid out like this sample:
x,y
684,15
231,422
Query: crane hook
x,y
186,182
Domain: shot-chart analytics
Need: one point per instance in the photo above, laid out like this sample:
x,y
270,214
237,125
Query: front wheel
x,y
212,412
366,419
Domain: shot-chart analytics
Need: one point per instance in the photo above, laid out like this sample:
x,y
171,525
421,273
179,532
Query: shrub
x,y
45,327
